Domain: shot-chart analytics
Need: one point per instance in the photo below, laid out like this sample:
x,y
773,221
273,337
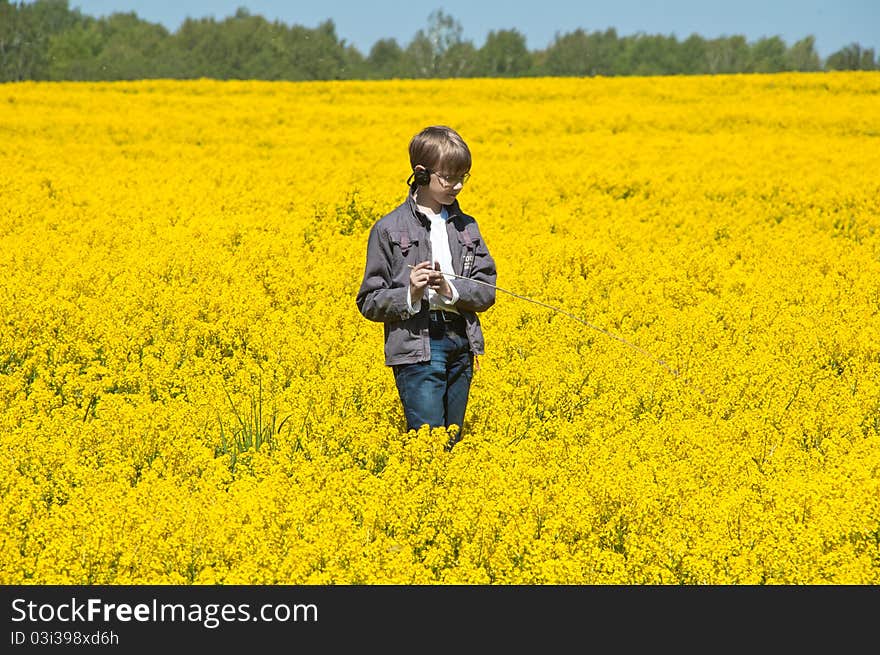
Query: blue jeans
x,y
436,392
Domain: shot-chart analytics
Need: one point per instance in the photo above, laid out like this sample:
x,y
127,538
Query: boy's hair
x,y
440,145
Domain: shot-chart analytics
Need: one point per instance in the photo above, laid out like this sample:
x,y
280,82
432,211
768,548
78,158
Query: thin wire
x,y
639,350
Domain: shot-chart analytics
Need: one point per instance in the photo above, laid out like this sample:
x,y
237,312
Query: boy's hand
x,y
419,277
439,283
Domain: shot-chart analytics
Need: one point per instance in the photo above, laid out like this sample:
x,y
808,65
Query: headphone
x,y
422,177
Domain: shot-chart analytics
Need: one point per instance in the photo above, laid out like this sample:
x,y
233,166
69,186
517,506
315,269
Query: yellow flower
x,y
181,255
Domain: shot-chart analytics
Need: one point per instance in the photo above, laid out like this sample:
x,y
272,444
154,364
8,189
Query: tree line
x,y
47,40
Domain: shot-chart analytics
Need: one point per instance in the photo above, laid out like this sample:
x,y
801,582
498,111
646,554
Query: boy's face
x,y
444,185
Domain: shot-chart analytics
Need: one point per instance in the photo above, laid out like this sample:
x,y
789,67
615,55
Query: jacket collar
x,y
452,209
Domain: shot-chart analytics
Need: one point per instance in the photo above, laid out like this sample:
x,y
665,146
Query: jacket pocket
x,y
402,243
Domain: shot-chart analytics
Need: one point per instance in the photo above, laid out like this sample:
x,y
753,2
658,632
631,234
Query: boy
x,y
432,332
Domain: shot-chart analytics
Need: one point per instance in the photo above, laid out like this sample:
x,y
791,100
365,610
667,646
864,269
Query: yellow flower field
x,y
180,261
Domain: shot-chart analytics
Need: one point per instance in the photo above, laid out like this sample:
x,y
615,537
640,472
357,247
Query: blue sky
x,y
834,23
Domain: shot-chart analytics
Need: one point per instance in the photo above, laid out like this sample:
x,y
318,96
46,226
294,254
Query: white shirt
x,y
443,255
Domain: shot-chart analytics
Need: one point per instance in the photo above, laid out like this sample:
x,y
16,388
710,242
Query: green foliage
x,y
802,56
693,54
47,40
579,53
727,55
852,58
254,429
767,56
25,34
386,60
504,55
646,54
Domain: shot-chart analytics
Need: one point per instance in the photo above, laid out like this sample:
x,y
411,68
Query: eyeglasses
x,y
452,180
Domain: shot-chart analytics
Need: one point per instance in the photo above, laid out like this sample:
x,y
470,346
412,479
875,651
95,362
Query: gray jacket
x,y
401,237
